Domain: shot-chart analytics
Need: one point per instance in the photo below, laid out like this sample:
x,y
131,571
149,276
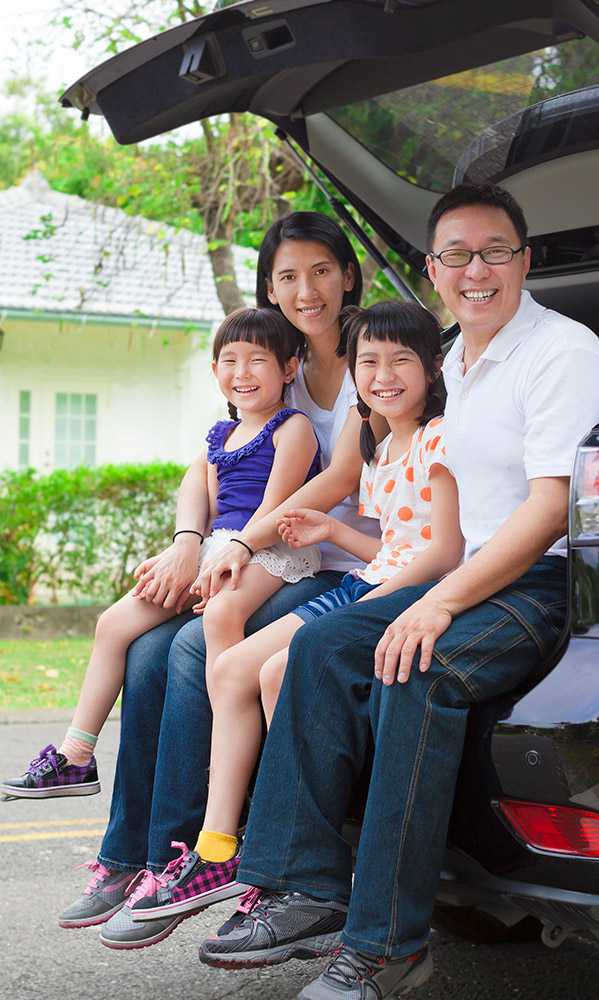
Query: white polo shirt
x,y
518,414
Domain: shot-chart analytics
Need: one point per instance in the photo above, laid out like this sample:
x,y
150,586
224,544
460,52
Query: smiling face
x,y
391,379
250,377
308,285
482,297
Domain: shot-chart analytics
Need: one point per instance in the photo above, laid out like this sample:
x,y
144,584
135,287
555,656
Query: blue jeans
x,y
160,785
318,745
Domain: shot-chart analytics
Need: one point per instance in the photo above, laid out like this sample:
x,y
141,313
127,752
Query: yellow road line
x,y
13,838
52,822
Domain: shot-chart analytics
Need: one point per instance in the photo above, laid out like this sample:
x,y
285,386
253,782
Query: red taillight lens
x,y
563,829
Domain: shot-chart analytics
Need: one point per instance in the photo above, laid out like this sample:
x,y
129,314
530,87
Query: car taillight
x,y
584,493
562,829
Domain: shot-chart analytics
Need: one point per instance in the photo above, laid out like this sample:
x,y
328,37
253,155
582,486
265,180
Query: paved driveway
x,y
42,843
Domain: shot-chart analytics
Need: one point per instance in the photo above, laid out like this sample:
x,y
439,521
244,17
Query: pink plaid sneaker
x,y
188,884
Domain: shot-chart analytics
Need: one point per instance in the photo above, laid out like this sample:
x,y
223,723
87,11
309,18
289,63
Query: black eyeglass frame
x,y
478,253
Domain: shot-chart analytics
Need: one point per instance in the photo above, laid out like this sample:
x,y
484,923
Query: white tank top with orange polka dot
x,y
399,494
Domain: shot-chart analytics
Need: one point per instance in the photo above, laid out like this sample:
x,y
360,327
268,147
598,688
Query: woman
x,y
307,269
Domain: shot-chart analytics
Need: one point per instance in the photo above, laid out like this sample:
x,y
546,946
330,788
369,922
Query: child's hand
x,y
198,609
303,527
196,587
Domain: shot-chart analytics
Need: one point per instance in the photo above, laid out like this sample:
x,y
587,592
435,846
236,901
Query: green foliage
x,y
78,533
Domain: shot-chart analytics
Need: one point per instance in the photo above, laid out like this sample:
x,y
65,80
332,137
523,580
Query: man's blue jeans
x,y
161,776
319,741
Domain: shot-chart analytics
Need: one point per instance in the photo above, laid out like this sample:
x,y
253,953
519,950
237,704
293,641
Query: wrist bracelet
x,y
188,531
251,551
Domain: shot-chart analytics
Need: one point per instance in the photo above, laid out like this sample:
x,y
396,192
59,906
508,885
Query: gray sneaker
x,y
271,927
103,896
354,976
123,932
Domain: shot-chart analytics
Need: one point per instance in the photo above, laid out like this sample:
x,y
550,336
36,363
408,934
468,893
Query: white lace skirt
x,y
279,560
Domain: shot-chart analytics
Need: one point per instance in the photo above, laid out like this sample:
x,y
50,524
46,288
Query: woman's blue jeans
x,y
329,709
161,776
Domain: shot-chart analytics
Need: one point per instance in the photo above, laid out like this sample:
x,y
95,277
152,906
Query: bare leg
x,y
117,627
237,721
271,678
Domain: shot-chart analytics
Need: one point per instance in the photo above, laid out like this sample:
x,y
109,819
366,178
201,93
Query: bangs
x,y
265,328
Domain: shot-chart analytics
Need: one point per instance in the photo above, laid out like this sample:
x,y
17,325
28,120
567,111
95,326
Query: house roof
x,y
62,254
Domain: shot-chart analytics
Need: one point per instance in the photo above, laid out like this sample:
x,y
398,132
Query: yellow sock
x,y
214,846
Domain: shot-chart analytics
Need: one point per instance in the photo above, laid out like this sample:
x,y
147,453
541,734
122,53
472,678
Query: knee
x,y
110,623
219,615
224,677
271,676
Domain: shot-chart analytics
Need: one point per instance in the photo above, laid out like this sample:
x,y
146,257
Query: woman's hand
x,y
420,625
164,579
303,526
227,565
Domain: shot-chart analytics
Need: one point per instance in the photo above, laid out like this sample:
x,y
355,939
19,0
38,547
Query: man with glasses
x,y
523,388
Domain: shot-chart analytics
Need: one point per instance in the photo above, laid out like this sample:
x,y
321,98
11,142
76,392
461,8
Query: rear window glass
x,y
431,133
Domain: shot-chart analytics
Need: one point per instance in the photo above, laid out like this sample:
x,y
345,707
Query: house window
x,y
75,429
24,427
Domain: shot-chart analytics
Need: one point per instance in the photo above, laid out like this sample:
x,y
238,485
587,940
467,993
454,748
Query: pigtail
x,y
232,411
435,399
367,438
348,316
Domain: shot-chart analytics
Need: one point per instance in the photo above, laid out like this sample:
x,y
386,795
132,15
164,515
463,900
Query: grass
x,y
42,674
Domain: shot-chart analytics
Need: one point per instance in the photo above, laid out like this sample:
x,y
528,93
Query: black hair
x,y
490,195
262,327
307,227
404,323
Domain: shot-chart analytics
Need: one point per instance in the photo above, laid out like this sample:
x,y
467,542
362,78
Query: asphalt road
x,y
41,844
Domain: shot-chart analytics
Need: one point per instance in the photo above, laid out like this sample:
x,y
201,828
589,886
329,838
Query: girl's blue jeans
x,y
161,779
329,709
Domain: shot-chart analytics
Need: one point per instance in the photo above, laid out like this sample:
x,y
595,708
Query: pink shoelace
x,y
248,901
99,873
146,882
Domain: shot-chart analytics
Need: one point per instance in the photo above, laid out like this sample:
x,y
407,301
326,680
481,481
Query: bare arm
x,y
523,539
447,545
164,579
310,527
326,490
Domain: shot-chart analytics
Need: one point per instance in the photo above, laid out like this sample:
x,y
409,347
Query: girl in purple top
x,y
253,462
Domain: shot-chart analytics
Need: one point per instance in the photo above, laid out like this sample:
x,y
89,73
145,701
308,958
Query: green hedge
x,y
78,533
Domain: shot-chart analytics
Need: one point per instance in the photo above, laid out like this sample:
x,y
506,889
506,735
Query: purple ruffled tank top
x,y
243,473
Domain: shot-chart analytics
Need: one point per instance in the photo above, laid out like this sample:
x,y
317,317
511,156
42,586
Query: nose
x,y
242,369
305,286
384,372
477,269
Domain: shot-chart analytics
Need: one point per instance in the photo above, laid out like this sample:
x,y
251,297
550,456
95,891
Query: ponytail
x,y
232,411
367,438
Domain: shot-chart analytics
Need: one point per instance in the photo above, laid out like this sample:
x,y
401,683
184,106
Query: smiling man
x,y
523,388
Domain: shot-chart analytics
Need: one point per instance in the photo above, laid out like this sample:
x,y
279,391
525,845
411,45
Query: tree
x,y
236,170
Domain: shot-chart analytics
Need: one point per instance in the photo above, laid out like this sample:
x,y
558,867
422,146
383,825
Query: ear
x,y
431,267
270,292
291,367
349,277
526,261
213,366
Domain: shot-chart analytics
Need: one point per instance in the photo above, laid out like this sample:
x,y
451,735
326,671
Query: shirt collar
x,y
504,341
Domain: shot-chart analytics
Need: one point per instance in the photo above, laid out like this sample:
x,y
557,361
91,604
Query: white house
x,y
105,330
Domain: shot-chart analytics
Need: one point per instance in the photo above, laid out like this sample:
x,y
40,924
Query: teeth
x,y
387,393
311,310
250,388
478,296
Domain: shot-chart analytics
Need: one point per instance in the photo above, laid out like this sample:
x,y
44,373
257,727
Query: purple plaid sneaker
x,y
188,884
50,775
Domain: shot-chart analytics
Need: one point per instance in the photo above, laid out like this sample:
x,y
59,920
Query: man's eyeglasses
x,y
458,257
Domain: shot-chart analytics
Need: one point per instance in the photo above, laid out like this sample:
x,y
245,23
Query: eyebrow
x,y
374,354
489,241
286,270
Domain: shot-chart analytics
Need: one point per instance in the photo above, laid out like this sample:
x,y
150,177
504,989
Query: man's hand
x,y
164,579
302,527
421,625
